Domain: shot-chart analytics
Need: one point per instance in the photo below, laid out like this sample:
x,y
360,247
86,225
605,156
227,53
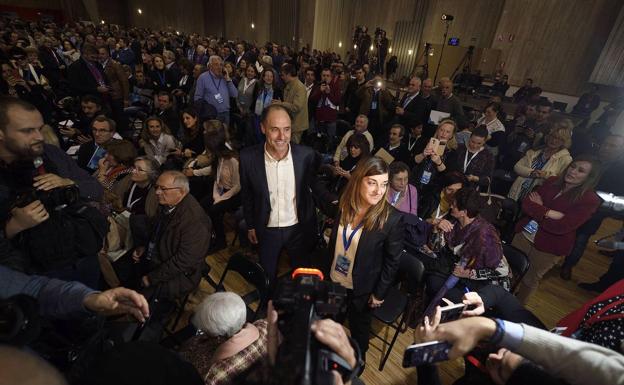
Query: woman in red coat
x,y
552,214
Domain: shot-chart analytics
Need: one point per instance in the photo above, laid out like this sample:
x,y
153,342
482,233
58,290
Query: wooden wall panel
x,y
332,25
609,69
474,24
240,14
283,26
555,42
163,14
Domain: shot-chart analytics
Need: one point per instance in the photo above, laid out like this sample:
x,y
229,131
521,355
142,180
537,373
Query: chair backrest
x,y
252,272
518,263
413,269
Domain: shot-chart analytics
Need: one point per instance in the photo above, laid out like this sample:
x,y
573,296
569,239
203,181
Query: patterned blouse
x,y
200,349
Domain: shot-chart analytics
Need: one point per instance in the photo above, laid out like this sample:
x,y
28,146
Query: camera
x,y
300,301
55,199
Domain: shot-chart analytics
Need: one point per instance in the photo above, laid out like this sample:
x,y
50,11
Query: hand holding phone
x,y
426,353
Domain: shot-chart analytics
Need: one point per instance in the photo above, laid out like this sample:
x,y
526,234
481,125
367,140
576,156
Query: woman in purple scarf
x,y
474,249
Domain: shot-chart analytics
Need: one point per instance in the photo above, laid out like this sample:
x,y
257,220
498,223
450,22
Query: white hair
x,y
221,314
215,58
363,117
179,180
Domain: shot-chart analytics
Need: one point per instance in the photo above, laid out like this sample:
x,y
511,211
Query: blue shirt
x,y
209,86
58,299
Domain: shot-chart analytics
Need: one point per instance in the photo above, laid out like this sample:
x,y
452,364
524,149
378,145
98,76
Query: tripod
x,y
425,64
465,62
448,24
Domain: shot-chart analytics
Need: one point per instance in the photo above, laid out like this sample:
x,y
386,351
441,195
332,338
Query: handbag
x,y
119,237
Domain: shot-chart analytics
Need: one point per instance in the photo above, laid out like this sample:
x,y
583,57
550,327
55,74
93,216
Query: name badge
x,y
219,98
531,227
374,105
342,265
425,178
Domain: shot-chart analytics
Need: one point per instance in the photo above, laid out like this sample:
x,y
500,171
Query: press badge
x,y
342,265
373,105
425,178
531,227
219,98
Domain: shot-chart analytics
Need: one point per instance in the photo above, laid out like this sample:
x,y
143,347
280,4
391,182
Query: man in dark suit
x,y
278,181
395,145
412,109
85,75
90,153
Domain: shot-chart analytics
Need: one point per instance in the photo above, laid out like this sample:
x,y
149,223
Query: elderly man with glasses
x,y
171,261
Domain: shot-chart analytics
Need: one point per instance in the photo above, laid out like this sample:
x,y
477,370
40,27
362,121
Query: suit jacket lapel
x,y
298,167
261,172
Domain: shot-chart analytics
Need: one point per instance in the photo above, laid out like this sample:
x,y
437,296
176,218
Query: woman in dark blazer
x,y
366,245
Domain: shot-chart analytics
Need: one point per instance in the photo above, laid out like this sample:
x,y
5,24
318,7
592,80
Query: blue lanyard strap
x,y
161,76
347,242
217,85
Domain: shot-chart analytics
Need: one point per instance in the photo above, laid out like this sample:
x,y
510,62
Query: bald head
x,y
413,86
19,367
446,88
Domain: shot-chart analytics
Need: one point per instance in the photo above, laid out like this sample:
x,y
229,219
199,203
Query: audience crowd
x,y
127,154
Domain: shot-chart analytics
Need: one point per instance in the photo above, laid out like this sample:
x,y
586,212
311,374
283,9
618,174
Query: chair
x,y
518,263
205,273
254,274
393,311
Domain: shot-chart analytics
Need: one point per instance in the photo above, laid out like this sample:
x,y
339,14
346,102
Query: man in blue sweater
x,y
215,87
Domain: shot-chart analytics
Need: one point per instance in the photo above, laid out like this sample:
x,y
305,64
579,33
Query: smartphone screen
x,y
452,312
426,353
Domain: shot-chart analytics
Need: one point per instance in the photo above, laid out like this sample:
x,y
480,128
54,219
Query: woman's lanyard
x,y
467,161
264,97
347,242
246,85
411,145
131,202
437,214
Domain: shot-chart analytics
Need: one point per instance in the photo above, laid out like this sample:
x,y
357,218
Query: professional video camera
x,y
54,199
300,301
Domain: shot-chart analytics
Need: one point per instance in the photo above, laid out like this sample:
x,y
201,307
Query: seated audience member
x,y
430,164
166,110
225,195
552,214
479,260
357,146
538,165
178,240
416,141
361,126
116,164
611,156
402,195
464,128
495,129
500,85
587,103
136,192
437,205
395,146
90,153
193,139
156,139
475,160
227,345
80,132
543,124
523,92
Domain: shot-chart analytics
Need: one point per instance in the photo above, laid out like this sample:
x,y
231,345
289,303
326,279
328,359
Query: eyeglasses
x,y
161,188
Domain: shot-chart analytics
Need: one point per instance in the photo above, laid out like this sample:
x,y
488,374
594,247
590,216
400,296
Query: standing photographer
x,y
39,182
365,245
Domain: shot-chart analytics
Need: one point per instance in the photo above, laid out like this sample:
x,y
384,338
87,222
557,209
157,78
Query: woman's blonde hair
x,y
562,129
351,199
451,143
